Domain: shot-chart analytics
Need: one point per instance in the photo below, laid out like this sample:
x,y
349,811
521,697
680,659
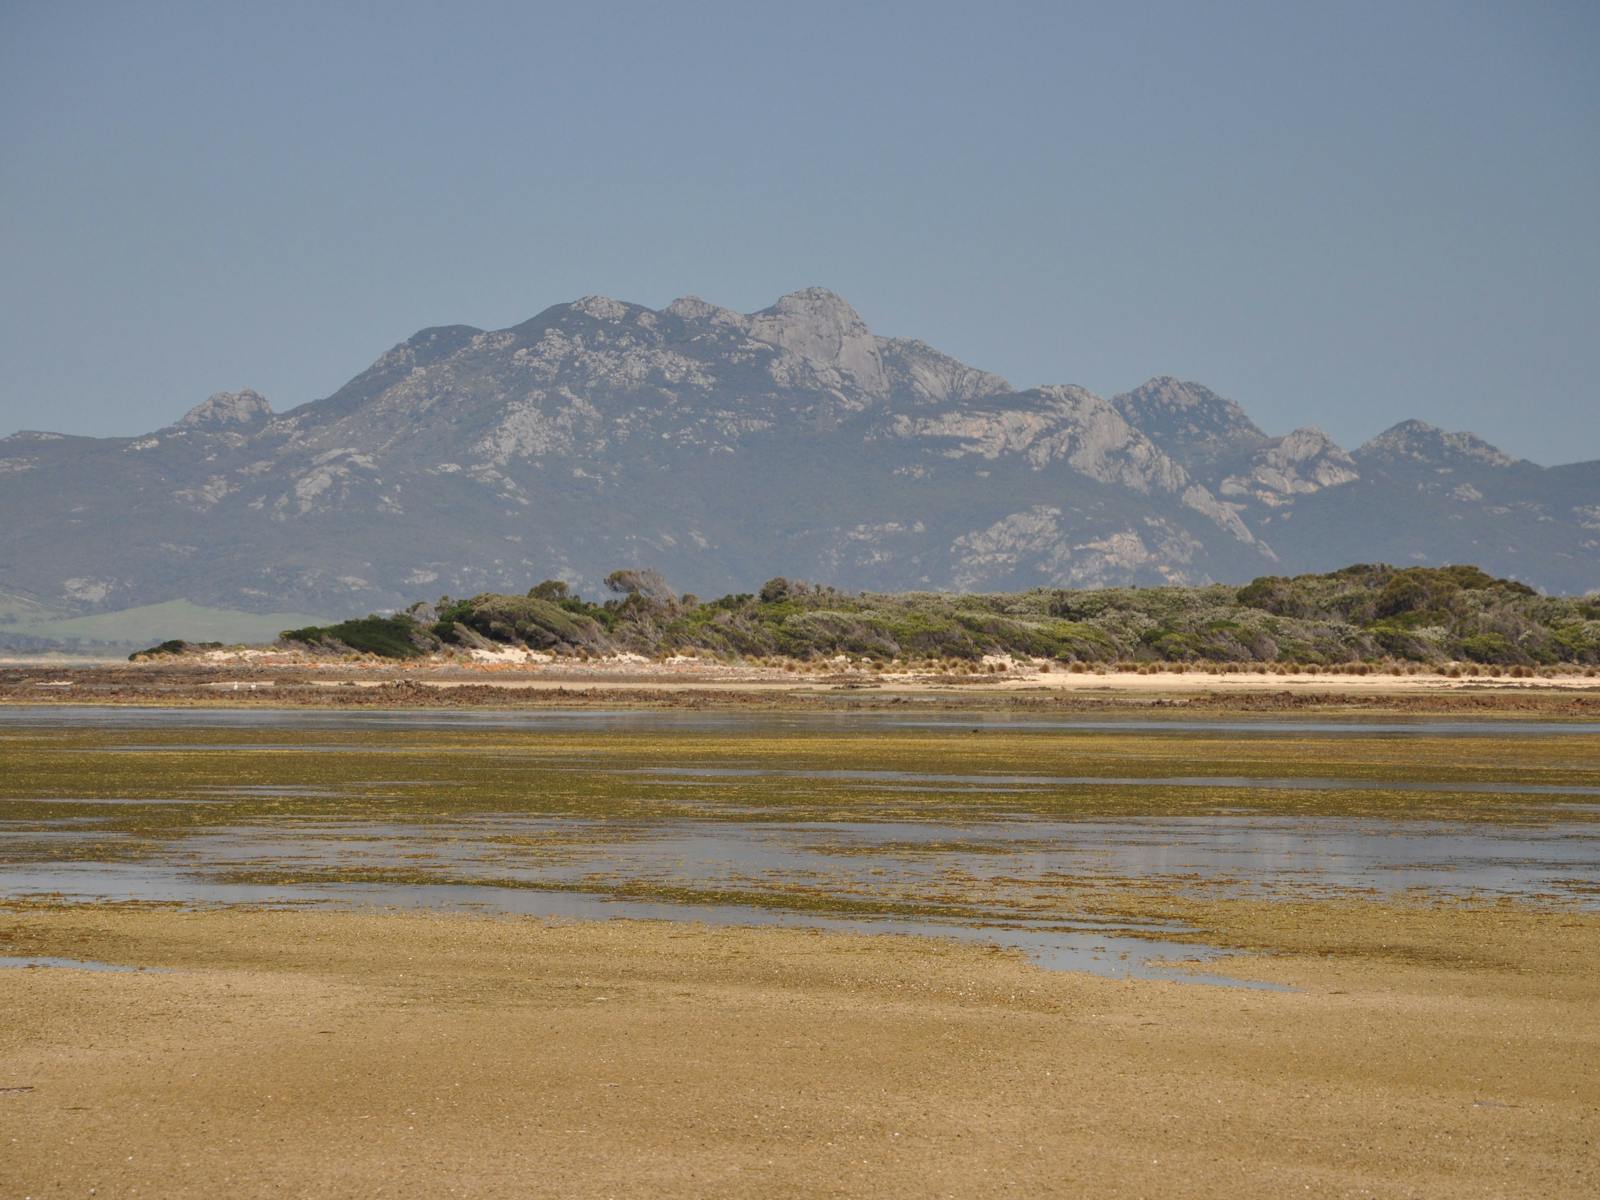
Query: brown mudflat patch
x,y
335,1054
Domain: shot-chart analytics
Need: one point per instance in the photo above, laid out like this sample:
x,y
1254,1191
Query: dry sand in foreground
x,y
325,1054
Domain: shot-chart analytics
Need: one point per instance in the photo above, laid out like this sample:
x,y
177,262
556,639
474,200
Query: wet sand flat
x,y
336,1054
351,986
1070,840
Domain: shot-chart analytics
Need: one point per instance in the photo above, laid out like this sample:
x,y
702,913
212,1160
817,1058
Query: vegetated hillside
x,y
726,447
1359,614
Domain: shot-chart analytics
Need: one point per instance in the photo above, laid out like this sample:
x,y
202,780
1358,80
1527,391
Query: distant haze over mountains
x,y
724,448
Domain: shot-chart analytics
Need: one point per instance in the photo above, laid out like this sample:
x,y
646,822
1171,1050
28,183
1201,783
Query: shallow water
x,y
567,868
115,717
1057,945
1246,853
971,871
1269,782
39,962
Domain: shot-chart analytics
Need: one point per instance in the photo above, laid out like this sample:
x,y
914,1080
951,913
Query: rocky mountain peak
x,y
698,311
1300,463
227,410
816,303
1306,443
1419,442
601,308
920,374
1190,422
820,327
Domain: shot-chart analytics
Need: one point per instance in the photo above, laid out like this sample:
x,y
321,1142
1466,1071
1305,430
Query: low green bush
x,y
394,636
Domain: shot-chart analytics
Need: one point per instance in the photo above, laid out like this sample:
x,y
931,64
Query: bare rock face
x,y
694,309
1047,542
1298,464
826,335
919,374
726,448
227,411
1193,424
1419,442
1046,426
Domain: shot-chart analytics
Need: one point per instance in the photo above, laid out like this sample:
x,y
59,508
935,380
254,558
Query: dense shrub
x,y
1487,648
395,636
171,647
1364,614
539,624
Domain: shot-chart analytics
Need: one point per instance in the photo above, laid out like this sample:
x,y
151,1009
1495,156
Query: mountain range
x,y
723,448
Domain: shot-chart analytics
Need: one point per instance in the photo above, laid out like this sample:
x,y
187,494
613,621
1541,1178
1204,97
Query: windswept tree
x,y
553,590
643,582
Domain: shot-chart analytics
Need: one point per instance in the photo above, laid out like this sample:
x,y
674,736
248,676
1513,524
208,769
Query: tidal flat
x,y
1265,954
1048,836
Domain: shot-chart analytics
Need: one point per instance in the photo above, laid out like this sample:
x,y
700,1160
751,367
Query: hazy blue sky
x,y
1340,213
